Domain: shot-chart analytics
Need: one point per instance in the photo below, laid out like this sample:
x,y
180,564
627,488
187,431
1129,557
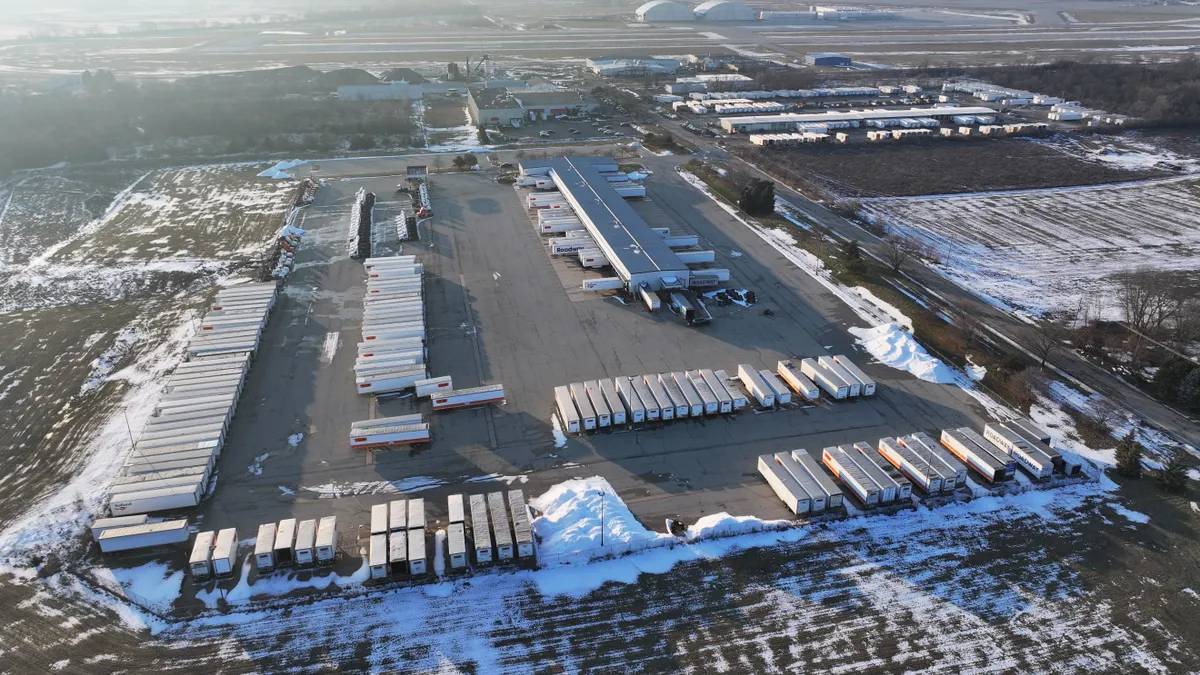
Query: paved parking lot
x,y
500,310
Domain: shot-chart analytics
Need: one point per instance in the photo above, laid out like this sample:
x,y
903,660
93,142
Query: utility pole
x,y
602,495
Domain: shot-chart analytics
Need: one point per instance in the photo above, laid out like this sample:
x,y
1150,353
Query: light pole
x,y
602,518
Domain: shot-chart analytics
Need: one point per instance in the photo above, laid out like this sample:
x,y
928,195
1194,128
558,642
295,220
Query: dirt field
x,y
1045,250
941,167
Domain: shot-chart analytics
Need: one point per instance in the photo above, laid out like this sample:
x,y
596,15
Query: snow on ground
x,y
330,346
1129,514
376,487
295,439
152,583
279,171
509,480
560,438
256,466
892,345
975,372
104,364
281,583
581,515
723,524
1043,250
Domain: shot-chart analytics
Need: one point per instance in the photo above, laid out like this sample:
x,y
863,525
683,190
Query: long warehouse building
x,y
856,118
638,254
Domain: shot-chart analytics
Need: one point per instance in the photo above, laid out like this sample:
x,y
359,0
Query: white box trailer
x,y
615,406
377,556
629,398
462,398
285,538
696,257
790,372
456,513
198,473
916,467
831,383
217,363
400,312
416,514
604,284
587,414
892,486
327,540
816,496
163,499
959,471
231,374
101,524
694,402
416,553
456,544
558,225
264,548
203,429
410,329
398,553
397,515
711,405
388,362
974,455
833,494
681,240
724,399
385,346
929,453
674,394
200,562
564,246
380,437
567,414
650,298
844,375
785,487
735,394
501,533
653,410
851,476
226,406
782,393
755,385
1036,463
148,466
379,519
183,420
386,260
867,382
481,534
225,553
596,398
146,535
434,385
306,537
398,379
159,484
870,454
1040,440
522,525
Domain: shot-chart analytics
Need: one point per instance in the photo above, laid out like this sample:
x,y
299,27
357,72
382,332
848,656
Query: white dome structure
x,y
664,11
723,10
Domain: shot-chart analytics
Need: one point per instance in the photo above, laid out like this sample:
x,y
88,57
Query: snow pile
x,y
560,438
975,372
889,344
638,175
577,512
723,525
294,439
153,583
1129,514
275,585
278,172
374,487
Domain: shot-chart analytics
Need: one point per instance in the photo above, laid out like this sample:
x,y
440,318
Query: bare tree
x,y
1048,338
1146,297
1102,412
970,325
899,249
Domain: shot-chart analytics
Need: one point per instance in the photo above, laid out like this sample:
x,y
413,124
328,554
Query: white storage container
x,y
224,557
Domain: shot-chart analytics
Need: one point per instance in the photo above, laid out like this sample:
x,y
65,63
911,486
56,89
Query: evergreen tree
x,y
1129,456
852,258
1173,476
1189,390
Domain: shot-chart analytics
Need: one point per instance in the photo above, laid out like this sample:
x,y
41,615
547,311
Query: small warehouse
x,y
827,59
508,107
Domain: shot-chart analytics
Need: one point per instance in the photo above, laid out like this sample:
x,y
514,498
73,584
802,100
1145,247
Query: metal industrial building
x,y
638,254
855,118
723,10
826,59
665,11
505,107
387,91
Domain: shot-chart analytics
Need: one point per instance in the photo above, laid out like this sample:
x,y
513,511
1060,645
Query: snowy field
x,y
1045,250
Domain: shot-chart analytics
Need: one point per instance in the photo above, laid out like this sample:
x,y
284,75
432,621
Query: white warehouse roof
x,y
852,115
666,11
723,10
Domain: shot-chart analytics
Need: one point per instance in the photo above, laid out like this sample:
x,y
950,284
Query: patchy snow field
x,y
1042,250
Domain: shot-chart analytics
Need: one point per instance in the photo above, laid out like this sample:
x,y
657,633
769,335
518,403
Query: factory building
x,y
852,118
827,59
626,66
664,11
723,10
636,253
509,107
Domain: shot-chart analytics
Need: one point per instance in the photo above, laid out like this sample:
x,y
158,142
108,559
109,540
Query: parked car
x,y
544,134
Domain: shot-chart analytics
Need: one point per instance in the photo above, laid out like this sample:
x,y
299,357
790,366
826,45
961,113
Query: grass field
x,y
1044,250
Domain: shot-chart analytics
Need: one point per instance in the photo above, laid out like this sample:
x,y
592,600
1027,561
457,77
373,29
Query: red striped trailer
x,y
492,393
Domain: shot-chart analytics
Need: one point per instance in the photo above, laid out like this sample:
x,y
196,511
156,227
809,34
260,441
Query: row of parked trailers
x,y
595,404
391,356
888,472
288,543
496,529
176,454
